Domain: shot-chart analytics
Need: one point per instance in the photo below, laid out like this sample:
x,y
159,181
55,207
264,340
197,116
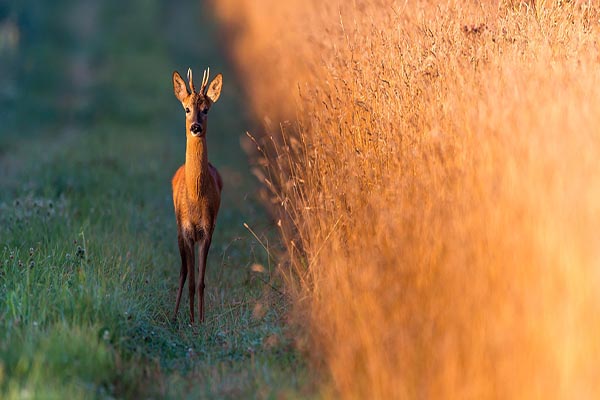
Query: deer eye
x,y
187,110
205,111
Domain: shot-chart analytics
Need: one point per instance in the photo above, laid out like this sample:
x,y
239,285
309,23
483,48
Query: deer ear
x,y
179,87
214,89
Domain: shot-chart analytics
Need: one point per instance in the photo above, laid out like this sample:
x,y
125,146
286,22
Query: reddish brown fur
x,y
196,190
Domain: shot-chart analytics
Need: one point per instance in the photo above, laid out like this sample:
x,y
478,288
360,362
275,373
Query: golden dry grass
x,y
436,169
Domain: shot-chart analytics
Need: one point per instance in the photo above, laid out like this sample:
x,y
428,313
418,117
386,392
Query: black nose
x,y
196,127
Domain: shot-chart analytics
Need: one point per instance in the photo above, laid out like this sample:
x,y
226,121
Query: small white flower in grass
x,y
106,335
25,394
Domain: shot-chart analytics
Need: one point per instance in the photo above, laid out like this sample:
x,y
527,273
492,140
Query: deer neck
x,y
196,166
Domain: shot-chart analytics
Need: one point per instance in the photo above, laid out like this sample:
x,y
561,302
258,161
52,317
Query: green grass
x,y
90,135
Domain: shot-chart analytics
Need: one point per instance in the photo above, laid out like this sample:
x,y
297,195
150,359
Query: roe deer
x,y
196,187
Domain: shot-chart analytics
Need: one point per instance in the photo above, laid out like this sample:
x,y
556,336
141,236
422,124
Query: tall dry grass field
x,y
436,169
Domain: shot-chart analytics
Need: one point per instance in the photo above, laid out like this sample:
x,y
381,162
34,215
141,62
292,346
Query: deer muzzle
x,y
196,129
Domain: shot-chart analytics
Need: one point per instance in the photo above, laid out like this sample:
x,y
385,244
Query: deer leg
x,y
202,255
182,273
192,280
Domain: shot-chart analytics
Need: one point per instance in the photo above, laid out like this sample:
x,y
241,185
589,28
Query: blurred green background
x,y
90,135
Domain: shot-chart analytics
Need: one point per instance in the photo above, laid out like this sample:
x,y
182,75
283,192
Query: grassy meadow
x,y
434,169
90,135
430,181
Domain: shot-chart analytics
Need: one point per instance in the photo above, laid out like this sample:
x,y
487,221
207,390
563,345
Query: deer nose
x,y
196,128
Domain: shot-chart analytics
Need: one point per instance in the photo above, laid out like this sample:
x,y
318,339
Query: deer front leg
x,y
182,273
192,281
202,256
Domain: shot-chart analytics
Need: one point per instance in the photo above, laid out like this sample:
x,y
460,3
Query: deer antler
x,y
205,80
191,80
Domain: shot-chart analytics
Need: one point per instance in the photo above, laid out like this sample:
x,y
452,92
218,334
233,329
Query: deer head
x,y
197,104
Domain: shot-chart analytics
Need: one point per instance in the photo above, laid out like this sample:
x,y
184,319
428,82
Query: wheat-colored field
x,y
436,170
